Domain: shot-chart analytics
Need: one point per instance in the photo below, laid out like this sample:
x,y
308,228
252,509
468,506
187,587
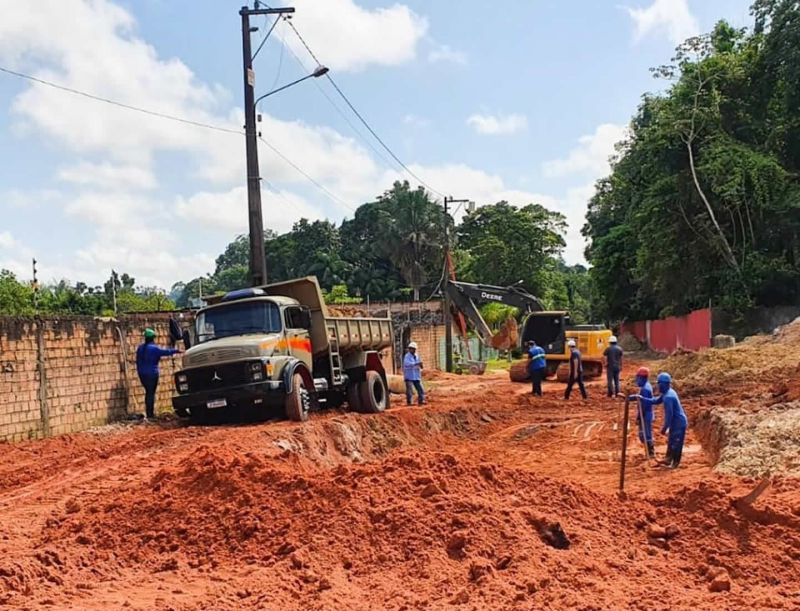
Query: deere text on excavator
x,y
550,329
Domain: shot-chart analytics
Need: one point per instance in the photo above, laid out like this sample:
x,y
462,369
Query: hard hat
x,y
612,339
412,345
571,343
664,378
149,334
643,372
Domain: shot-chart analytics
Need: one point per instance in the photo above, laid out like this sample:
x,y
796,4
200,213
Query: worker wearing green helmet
x,y
148,356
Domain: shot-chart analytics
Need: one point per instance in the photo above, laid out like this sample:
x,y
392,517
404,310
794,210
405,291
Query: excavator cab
x,y
548,330
552,330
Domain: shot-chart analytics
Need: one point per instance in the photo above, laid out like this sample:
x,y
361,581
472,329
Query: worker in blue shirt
x,y
575,370
148,355
412,374
537,365
675,421
645,414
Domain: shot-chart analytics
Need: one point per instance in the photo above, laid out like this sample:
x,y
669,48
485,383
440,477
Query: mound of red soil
x,y
461,533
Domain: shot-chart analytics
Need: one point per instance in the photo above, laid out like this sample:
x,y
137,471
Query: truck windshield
x,y
238,319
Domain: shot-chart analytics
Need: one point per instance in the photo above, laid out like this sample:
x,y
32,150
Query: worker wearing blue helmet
x,y
675,421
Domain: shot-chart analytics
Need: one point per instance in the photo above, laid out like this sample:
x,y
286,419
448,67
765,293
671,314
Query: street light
x,y
320,71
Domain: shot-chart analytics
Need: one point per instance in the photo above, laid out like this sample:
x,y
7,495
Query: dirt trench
x,y
488,498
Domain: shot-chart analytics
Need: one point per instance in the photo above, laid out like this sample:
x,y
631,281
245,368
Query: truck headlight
x,y
256,371
183,387
181,378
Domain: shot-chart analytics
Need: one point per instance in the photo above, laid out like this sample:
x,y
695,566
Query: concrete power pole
x,y
258,257
448,274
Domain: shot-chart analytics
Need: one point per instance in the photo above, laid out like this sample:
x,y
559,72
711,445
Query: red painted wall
x,y
692,331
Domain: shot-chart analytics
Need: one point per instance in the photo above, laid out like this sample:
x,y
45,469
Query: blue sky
x,y
522,102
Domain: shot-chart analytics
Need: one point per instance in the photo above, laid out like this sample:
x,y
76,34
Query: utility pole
x,y
35,286
114,290
448,275
258,257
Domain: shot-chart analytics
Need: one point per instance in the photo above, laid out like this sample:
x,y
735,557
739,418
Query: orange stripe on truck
x,y
295,343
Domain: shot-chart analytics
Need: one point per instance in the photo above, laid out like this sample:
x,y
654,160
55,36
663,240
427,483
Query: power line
x,y
319,185
360,117
342,114
264,40
98,98
180,120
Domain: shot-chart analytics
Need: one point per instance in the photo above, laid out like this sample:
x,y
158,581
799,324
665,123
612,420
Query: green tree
x,y
16,298
506,245
703,202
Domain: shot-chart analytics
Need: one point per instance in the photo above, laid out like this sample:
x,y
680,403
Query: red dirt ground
x,y
486,499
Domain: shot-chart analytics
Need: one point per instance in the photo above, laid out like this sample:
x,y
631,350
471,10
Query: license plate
x,y
216,403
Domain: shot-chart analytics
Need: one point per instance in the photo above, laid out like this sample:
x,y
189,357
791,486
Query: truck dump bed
x,y
361,333
354,333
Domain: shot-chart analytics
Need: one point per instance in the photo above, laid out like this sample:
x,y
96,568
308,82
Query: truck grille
x,y
218,377
222,354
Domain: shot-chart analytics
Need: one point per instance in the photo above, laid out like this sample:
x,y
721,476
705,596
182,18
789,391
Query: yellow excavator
x,y
549,329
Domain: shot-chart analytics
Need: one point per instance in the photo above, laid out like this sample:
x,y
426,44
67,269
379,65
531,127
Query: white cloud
x,y
465,182
133,227
498,124
415,121
443,53
670,17
108,176
7,240
590,157
585,163
17,198
347,37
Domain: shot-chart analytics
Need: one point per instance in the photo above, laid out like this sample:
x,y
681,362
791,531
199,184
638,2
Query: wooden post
x,y
44,408
624,446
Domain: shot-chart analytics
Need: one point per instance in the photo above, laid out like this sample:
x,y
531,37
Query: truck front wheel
x,y
374,395
298,401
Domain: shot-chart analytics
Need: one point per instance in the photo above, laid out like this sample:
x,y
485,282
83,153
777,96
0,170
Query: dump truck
x,y
549,329
275,347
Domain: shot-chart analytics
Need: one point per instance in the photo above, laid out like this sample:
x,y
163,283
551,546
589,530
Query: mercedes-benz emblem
x,y
216,378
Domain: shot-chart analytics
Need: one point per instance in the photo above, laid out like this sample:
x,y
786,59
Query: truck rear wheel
x,y
298,401
354,396
374,394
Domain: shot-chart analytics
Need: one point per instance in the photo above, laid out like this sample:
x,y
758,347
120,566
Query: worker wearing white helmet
x,y
575,370
412,374
612,359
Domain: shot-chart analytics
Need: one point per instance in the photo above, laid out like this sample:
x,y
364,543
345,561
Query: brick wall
x,y
430,344
66,374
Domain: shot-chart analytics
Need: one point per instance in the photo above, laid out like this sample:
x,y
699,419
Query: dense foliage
x,y
703,203
21,299
393,249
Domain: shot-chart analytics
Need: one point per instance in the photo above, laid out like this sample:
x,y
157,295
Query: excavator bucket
x,y
562,373
508,335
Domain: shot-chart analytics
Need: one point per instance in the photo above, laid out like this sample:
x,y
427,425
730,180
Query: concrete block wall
x,y
67,374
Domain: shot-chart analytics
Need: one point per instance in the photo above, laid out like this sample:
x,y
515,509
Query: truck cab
x,y
275,347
